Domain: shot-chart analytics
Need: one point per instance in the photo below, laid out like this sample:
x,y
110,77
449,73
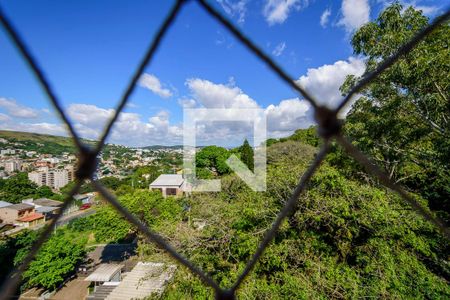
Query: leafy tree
x,y
247,155
307,136
44,192
110,182
14,248
106,224
402,119
22,244
57,258
213,158
85,188
17,188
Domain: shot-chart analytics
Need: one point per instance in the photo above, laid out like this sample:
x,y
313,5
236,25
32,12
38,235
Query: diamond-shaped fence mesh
x,y
328,124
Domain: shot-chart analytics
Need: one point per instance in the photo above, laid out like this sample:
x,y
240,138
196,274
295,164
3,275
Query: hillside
x,y
35,137
43,143
158,147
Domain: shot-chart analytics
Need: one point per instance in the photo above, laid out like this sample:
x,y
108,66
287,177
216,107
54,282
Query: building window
x,y
171,191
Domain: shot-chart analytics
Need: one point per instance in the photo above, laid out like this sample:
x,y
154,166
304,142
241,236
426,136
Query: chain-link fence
x,y
328,124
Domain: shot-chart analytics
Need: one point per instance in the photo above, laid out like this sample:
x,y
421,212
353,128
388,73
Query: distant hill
x,y
42,143
35,137
57,144
158,147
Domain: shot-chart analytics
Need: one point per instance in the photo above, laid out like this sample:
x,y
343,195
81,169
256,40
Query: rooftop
x,y
46,209
4,203
31,217
20,206
81,196
104,272
47,202
168,180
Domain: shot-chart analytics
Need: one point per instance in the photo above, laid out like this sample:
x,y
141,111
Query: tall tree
x,y
247,155
402,118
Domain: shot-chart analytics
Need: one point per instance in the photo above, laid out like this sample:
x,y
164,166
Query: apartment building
x,y
54,178
12,165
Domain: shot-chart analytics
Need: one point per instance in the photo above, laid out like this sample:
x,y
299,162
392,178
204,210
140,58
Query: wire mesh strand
x,y
326,118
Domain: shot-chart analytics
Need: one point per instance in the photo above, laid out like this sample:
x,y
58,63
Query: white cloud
x,y
236,9
279,49
354,14
4,117
151,82
187,103
277,11
129,129
288,116
428,10
17,110
325,17
323,83
282,119
132,129
211,95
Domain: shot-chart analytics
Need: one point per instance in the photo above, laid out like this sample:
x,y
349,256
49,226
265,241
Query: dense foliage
x,y
403,118
108,226
347,239
19,187
210,161
57,259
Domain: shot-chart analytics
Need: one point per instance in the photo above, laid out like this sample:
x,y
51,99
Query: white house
x,y
169,184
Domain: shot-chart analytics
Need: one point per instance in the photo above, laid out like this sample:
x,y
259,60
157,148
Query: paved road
x,y
76,289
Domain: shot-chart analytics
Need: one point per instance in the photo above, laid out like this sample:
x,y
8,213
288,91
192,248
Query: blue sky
x,y
89,50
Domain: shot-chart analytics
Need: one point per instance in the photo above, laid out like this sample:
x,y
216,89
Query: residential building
x,y
22,214
12,165
54,178
38,177
169,184
7,151
50,207
31,220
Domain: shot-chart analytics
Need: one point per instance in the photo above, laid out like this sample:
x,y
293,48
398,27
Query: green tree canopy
x,y
57,258
402,119
213,159
16,188
247,155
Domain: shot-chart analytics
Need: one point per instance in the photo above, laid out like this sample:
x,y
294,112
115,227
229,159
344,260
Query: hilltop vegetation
x,y
42,143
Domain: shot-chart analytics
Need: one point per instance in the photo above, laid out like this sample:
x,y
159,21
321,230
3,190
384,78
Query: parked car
x,y
85,206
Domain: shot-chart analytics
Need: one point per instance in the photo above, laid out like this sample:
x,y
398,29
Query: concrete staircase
x,y
101,292
145,279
